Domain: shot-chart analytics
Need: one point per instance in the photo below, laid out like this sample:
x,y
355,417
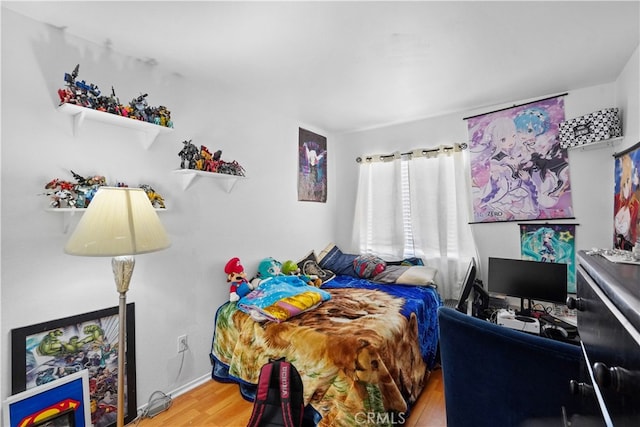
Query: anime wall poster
x,y
551,243
626,199
312,167
519,171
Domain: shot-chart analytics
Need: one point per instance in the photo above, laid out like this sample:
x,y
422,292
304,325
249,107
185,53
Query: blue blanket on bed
x,y
420,300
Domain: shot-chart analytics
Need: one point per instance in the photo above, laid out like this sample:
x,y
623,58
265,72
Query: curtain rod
x,y
549,224
628,150
461,146
516,105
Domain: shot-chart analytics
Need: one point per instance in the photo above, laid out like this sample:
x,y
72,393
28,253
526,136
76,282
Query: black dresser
x,y
608,304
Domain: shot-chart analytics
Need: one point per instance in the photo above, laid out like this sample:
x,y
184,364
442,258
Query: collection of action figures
x,y
67,194
201,159
88,95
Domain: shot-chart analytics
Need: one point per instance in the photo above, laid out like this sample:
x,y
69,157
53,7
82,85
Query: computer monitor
x,y
531,280
467,285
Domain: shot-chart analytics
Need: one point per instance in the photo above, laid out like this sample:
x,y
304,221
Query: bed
x,y
364,354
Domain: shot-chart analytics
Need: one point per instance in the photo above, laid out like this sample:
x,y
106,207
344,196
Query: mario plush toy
x,y
240,286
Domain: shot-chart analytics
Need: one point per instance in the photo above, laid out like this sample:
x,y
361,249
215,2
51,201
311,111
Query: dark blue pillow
x,y
338,262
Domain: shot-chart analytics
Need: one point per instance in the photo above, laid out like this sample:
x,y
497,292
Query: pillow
x,y
407,275
418,275
309,266
312,268
311,256
332,258
367,266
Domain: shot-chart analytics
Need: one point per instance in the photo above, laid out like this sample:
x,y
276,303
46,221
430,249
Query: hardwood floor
x,y
216,404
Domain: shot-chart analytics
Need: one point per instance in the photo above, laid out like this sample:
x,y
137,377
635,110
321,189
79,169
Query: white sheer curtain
x,y
378,227
431,190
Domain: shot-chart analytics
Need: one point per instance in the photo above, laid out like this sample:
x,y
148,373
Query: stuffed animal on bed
x,y
240,286
268,267
290,268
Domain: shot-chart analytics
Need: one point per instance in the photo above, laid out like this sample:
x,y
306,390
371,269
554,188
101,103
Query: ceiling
x,y
345,66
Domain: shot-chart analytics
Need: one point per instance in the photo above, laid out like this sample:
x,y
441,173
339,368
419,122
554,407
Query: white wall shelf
x,y
597,145
69,212
148,131
189,175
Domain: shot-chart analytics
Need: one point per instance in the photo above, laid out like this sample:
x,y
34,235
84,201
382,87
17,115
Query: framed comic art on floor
x,y
60,403
49,351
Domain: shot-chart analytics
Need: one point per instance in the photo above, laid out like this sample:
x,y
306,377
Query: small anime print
x,y
312,167
519,171
551,243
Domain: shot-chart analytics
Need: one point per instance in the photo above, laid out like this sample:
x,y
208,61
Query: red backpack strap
x,y
285,393
261,395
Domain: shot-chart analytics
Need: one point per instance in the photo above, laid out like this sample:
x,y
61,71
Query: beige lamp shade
x,y
118,221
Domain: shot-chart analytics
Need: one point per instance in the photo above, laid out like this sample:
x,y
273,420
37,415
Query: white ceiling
x,y
344,66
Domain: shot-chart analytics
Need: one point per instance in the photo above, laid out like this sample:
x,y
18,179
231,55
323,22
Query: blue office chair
x,y
496,376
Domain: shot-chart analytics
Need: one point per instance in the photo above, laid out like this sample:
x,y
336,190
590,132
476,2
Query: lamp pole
x,y
122,270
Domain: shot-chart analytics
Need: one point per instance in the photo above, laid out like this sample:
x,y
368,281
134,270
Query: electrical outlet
x,y
182,344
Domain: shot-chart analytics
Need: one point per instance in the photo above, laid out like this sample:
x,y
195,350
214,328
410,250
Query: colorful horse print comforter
x,y
364,355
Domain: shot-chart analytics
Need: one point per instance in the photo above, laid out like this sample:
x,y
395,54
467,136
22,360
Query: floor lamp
x,y
119,223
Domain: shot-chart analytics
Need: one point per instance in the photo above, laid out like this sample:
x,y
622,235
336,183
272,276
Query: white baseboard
x,y
190,385
183,389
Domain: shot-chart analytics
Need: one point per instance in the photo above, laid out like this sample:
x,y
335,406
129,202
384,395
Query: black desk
x,y
550,327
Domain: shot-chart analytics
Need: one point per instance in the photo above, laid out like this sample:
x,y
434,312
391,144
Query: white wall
x,y
628,99
175,291
591,170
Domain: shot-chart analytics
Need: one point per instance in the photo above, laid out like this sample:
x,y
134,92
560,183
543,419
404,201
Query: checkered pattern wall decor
x,y
597,126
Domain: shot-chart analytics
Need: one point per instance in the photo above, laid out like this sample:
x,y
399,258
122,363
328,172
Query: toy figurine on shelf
x,y
62,193
111,104
79,92
231,168
203,159
240,286
139,108
156,199
188,155
91,181
164,116
65,194
88,187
